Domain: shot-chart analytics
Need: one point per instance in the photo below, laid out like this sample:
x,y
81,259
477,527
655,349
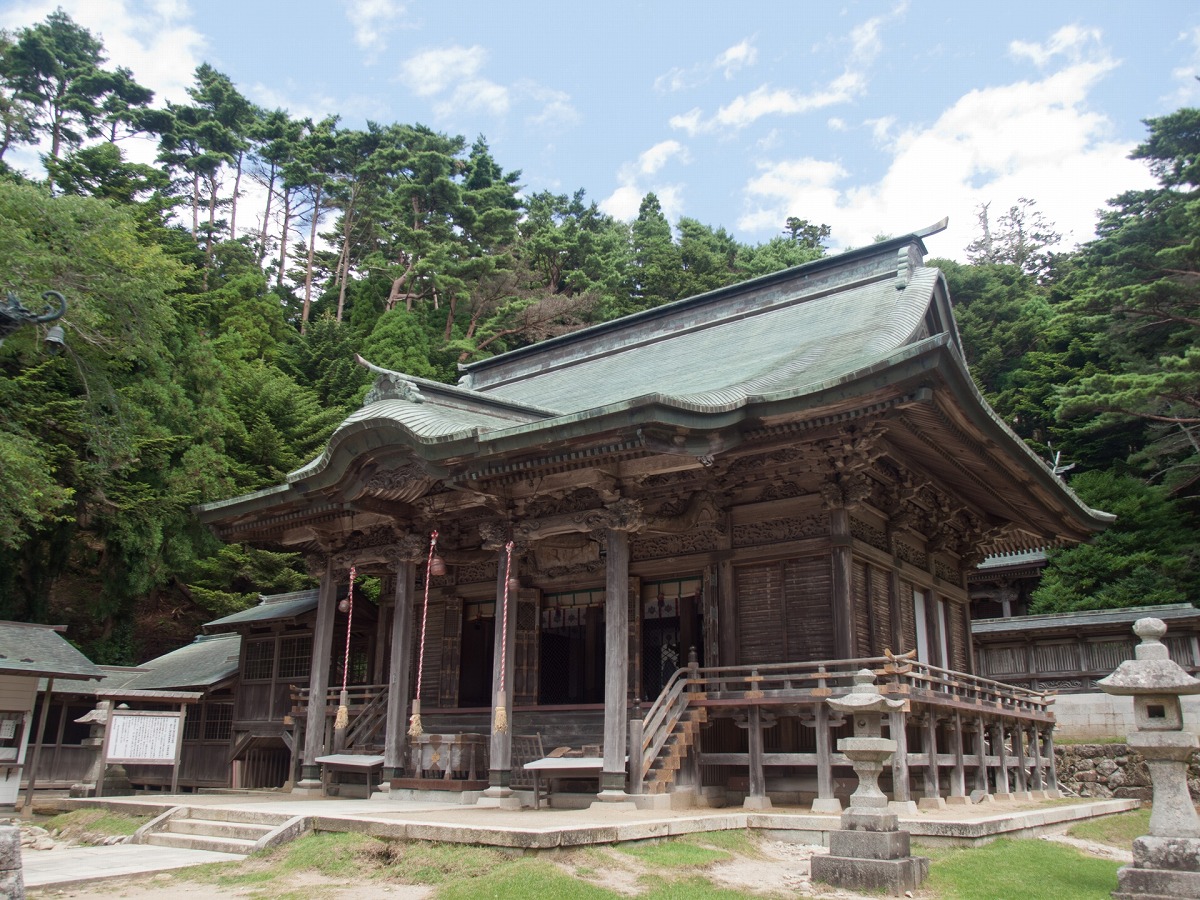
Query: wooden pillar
x,y
318,682
728,637
1018,738
958,775
40,735
505,643
981,772
826,801
400,665
1039,783
933,788
1003,791
756,797
1051,764
616,670
842,612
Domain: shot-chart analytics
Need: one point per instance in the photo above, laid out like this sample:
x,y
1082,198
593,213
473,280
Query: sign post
x,y
145,737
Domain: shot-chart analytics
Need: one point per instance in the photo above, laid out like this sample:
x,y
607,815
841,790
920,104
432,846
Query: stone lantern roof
x,y
1152,671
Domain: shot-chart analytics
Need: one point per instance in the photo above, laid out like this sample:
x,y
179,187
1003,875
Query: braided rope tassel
x,y
501,719
343,714
414,721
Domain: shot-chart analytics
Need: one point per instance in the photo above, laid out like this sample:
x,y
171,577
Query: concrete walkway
x,y
75,865
529,829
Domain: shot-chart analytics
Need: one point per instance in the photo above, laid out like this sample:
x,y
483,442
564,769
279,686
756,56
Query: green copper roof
x,y
209,659
272,607
27,649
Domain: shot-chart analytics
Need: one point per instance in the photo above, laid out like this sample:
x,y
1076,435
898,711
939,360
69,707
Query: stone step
x,y
199,842
250,816
247,831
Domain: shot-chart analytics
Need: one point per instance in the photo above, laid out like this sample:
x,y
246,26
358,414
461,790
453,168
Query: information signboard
x,y
144,737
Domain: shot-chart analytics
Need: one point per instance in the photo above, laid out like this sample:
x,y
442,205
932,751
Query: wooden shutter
x,y
882,611
808,589
529,641
759,592
861,597
451,618
908,617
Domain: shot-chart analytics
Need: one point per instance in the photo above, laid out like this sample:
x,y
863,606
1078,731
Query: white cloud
x,y
1071,41
1188,91
373,21
153,38
623,203
865,45
729,61
476,95
837,124
555,106
1028,139
431,72
636,179
737,57
650,161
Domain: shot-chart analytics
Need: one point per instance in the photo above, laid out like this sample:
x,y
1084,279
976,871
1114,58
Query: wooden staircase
x,y
665,766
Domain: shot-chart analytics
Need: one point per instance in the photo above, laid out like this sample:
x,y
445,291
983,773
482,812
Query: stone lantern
x,y
870,851
1166,862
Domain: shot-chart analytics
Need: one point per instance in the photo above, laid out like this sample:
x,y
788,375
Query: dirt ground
x,y
782,869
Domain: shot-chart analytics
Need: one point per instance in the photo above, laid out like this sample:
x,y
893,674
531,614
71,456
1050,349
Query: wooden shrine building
x,y
788,479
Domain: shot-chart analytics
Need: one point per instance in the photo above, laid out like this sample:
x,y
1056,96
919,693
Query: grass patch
x,y
736,841
675,853
338,856
1021,870
421,862
1117,831
94,820
1074,742
524,879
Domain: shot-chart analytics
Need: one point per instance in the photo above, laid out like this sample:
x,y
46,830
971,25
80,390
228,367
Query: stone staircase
x,y
683,736
223,830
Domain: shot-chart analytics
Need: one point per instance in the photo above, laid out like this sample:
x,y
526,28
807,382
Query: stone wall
x,y
1111,770
1090,717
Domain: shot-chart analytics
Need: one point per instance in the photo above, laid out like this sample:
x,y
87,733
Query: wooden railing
x,y
812,683
367,708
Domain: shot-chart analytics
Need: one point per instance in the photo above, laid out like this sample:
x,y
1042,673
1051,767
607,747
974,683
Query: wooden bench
x,y
349,762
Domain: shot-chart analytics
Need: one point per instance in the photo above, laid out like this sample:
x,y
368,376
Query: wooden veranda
x,y
958,734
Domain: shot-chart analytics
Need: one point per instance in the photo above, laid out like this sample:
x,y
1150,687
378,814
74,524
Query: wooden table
x,y
351,762
558,768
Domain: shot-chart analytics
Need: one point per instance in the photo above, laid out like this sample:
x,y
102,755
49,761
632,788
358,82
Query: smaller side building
x,y
1070,652
27,654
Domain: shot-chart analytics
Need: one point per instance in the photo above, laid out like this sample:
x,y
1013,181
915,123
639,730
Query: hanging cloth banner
x,y
343,714
414,722
501,719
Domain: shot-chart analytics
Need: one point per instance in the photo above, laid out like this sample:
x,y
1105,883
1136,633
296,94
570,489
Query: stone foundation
x,y
1104,771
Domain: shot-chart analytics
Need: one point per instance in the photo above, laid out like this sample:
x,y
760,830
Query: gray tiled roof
x,y
208,660
27,649
275,606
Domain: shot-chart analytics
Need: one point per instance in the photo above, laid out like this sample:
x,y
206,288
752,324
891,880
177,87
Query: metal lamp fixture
x,y
14,314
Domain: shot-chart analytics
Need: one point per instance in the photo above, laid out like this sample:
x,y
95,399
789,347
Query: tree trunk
x,y
308,268
283,238
262,239
237,182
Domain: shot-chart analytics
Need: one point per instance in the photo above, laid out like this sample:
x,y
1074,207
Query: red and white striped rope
x,y
433,536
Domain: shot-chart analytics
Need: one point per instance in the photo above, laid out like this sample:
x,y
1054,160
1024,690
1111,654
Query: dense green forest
x,y
217,298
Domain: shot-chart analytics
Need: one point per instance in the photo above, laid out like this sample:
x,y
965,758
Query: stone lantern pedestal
x,y
870,852
1166,862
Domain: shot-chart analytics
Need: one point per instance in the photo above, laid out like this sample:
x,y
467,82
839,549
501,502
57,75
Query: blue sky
x,y
873,117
